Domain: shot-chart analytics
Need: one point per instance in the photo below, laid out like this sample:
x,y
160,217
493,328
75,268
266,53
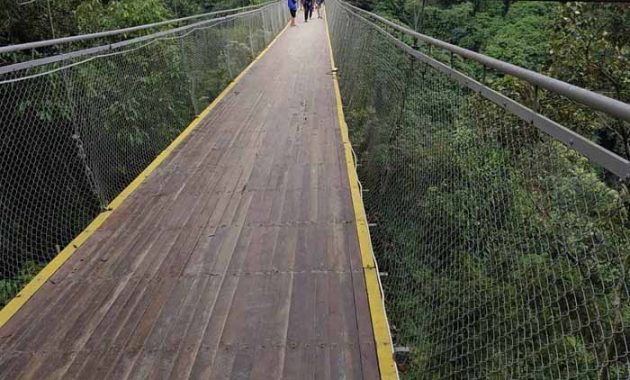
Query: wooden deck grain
x,y
236,259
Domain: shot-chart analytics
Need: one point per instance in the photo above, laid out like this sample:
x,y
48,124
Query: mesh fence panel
x,y
75,132
506,253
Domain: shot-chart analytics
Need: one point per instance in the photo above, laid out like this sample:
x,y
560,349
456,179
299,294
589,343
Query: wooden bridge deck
x,y
237,258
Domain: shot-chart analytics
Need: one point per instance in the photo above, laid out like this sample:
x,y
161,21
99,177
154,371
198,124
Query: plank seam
x,y
380,326
11,308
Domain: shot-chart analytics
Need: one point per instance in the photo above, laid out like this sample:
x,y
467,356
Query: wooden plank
x,y
237,258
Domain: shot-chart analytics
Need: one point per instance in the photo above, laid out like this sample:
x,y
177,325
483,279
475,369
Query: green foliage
x,y
591,49
182,8
32,21
454,25
10,287
522,39
94,15
29,21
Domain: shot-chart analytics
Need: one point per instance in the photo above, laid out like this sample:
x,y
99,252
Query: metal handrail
x,y
596,153
108,33
117,45
592,99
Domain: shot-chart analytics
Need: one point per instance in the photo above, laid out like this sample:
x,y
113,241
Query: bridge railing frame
x,y
487,216
115,32
615,108
117,45
80,128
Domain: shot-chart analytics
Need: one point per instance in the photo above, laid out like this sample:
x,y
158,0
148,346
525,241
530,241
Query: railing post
x,y
251,40
227,59
409,79
186,70
264,28
78,143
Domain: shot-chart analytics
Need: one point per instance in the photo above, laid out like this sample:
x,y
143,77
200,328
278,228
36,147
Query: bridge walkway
x,y
236,258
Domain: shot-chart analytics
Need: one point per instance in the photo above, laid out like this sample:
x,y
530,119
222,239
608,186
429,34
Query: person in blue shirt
x,y
293,9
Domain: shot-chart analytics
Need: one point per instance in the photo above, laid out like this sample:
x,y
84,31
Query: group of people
x,y
307,6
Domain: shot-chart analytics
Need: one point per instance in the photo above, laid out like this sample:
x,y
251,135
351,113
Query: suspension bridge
x,y
135,244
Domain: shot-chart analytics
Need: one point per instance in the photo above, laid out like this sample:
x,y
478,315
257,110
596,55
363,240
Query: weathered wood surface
x,y
237,258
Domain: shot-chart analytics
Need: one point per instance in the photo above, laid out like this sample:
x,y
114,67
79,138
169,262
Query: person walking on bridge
x,y
318,6
293,9
308,10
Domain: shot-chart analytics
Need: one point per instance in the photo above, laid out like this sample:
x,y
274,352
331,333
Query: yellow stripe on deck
x,y
29,290
245,252
384,348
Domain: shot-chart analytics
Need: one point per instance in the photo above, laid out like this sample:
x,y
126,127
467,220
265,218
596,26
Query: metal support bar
x,y
118,45
599,155
597,101
90,36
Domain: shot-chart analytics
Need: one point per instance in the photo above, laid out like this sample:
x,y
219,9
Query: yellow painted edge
x,y
29,290
384,349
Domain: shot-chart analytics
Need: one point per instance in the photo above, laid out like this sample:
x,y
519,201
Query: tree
x,y
591,49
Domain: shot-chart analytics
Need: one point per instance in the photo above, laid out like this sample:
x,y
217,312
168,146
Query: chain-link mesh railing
x,y
505,253
10,54
77,129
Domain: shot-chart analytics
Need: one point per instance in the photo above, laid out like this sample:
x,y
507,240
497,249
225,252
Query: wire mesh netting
x,y
76,131
506,253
